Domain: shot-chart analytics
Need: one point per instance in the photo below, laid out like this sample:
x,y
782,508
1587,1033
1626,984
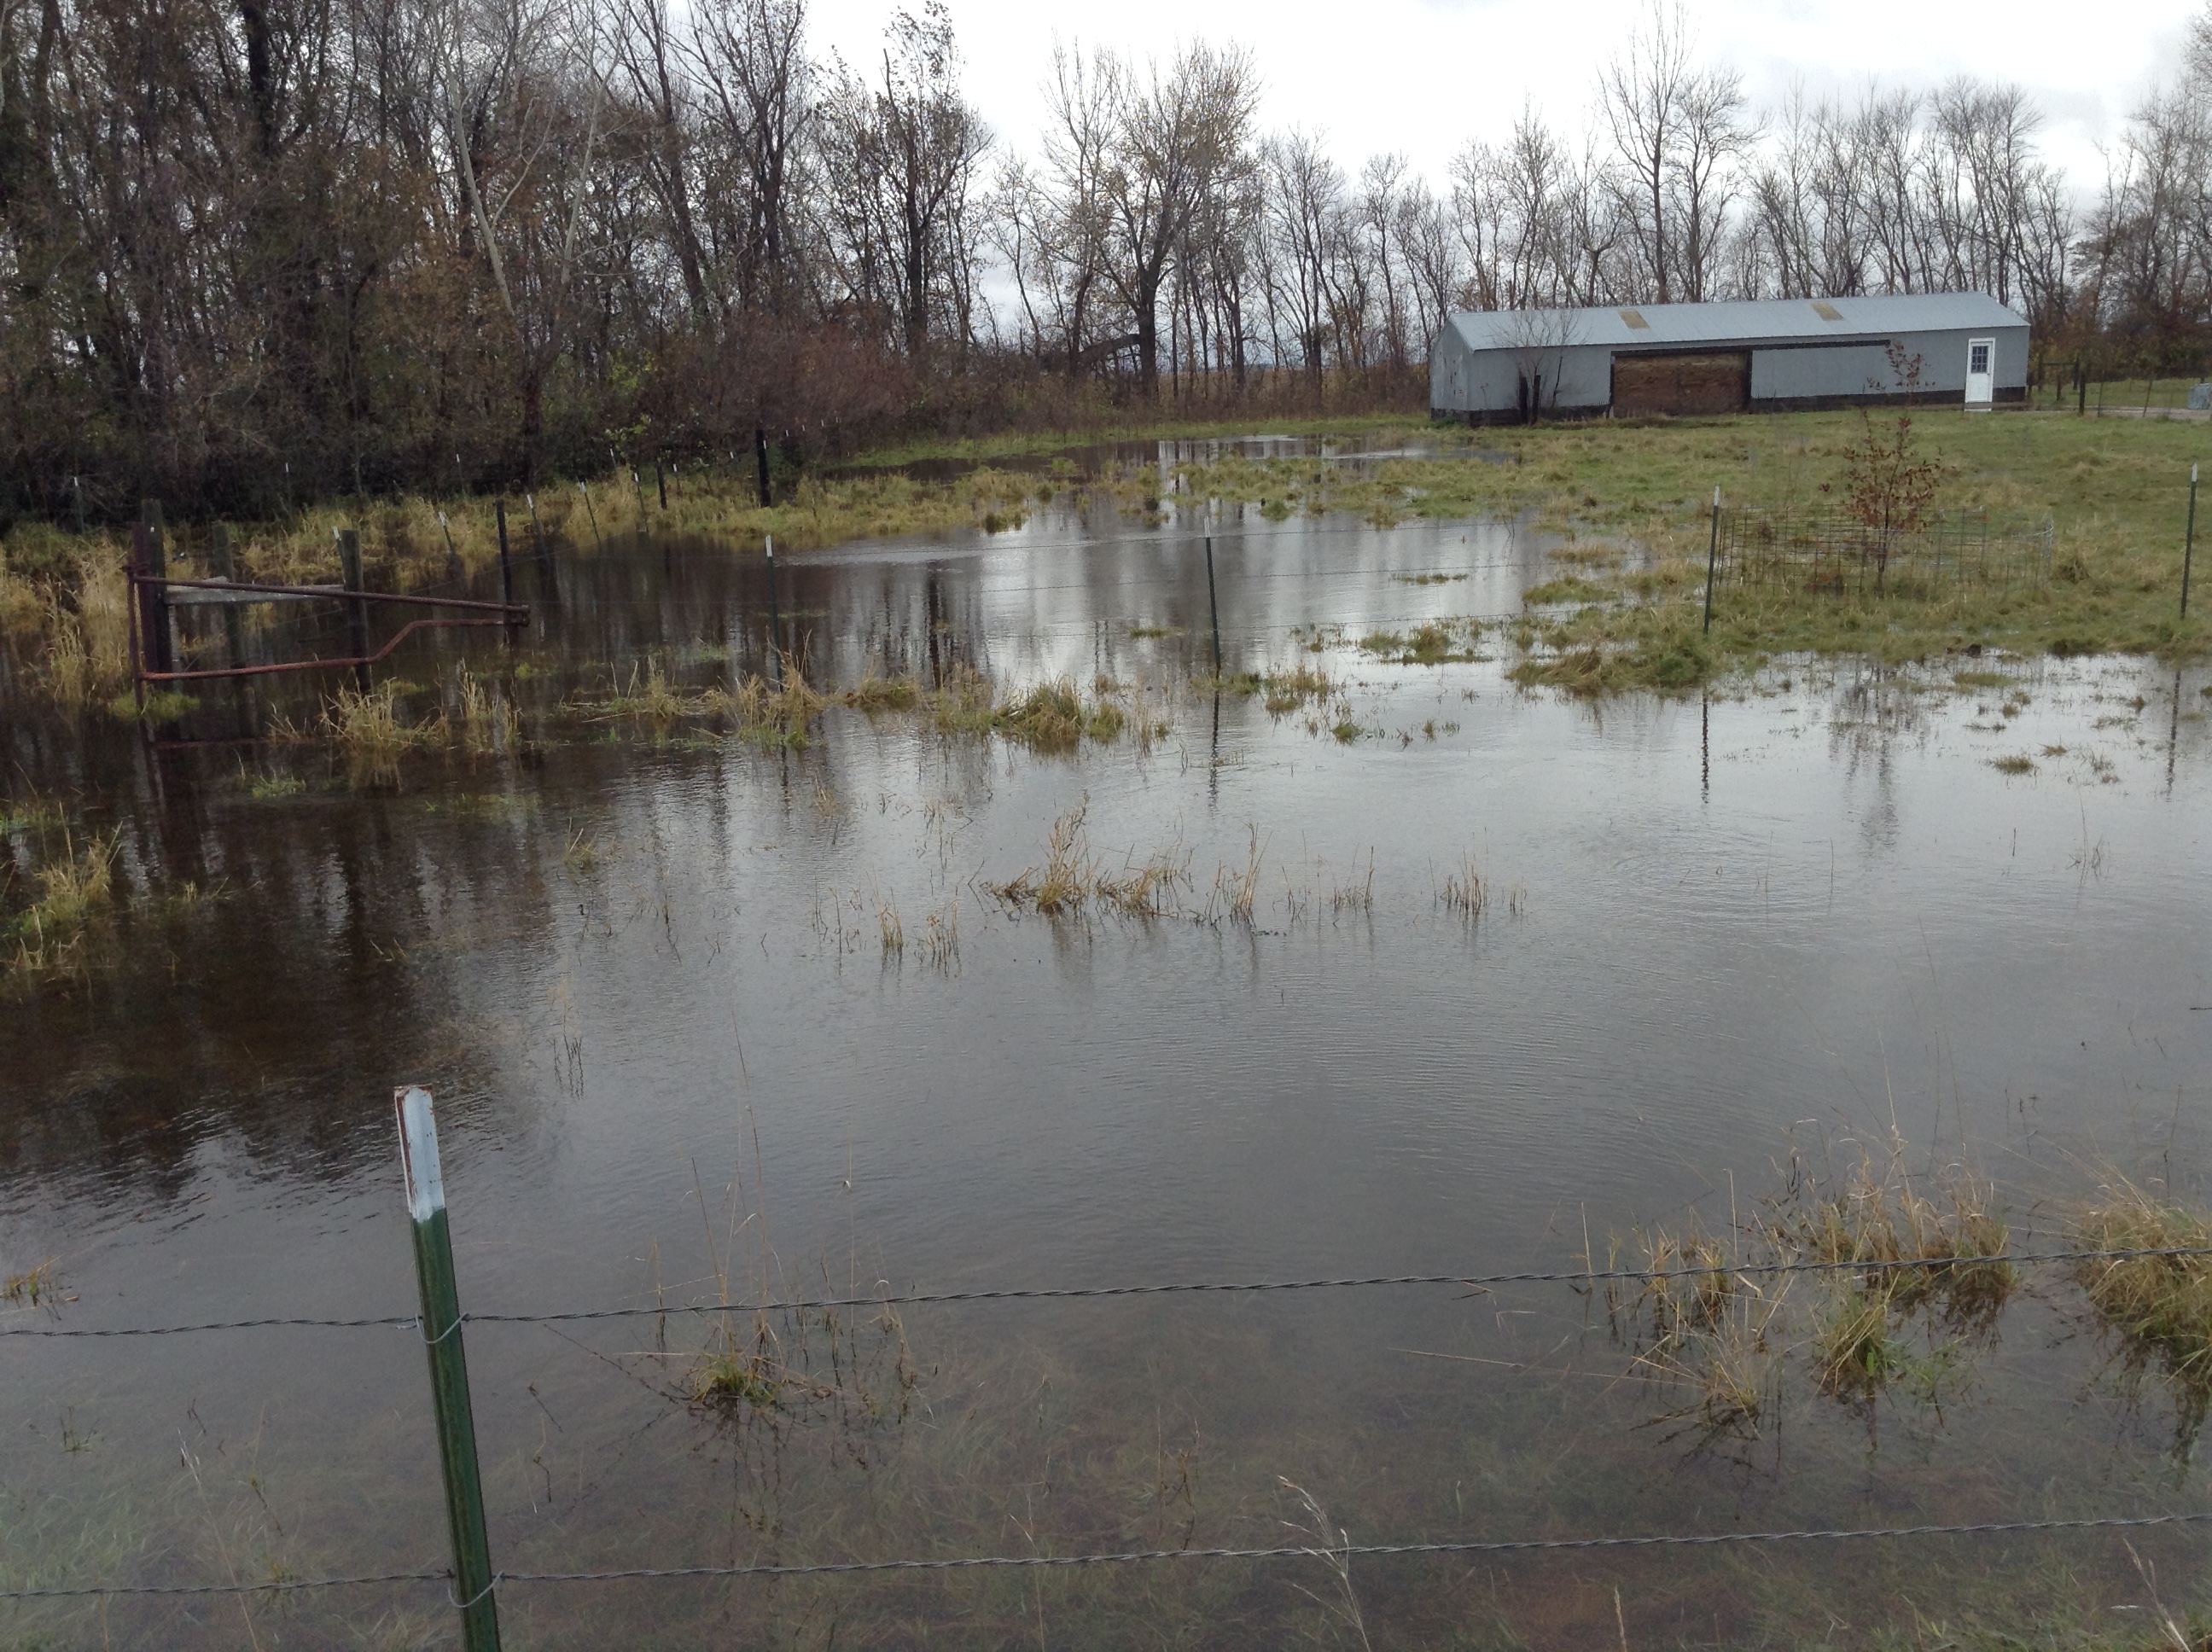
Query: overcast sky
x,y
1425,76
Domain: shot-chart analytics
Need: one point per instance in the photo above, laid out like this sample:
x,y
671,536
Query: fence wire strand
x,y
925,1298
973,1563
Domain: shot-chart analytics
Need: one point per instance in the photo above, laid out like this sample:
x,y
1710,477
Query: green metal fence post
x,y
473,1579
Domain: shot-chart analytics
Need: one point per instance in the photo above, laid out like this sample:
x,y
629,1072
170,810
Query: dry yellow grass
x,y
2157,1311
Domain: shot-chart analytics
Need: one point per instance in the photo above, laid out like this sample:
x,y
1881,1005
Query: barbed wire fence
x,y
472,1584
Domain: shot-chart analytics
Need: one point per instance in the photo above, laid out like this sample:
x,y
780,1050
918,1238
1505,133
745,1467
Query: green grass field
x,y
1631,501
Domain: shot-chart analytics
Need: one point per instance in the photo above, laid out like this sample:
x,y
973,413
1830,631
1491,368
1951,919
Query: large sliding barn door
x,y
1710,381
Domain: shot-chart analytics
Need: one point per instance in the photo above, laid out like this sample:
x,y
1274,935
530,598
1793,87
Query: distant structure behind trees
x,y
256,252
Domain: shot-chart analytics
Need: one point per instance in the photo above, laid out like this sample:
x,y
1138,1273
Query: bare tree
x,y
901,154
1642,93
757,94
1175,136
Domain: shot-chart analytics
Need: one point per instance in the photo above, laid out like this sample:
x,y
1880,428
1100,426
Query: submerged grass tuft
x,y
2157,1311
1073,877
873,694
1914,1288
1464,894
34,1284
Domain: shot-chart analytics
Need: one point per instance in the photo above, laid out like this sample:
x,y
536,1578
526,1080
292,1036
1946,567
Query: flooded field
x,y
1367,968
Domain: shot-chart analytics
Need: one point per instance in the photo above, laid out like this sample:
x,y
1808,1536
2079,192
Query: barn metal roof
x,y
1749,322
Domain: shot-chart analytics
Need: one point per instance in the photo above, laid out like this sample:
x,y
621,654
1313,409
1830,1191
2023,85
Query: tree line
x,y
259,250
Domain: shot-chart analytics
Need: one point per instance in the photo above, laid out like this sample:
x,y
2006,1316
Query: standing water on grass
x,y
1049,960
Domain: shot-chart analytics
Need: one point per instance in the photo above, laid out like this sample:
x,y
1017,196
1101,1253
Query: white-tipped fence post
x,y
1712,560
449,1369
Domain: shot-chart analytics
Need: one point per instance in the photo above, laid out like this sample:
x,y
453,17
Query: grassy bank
x,y
1632,498
1629,499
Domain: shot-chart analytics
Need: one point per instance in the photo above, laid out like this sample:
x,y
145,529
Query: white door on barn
x,y
1981,372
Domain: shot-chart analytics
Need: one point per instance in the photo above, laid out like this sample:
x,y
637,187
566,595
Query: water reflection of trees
x,y
279,1013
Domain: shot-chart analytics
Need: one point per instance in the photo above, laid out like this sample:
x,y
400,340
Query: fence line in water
x,y
976,1562
1068,1293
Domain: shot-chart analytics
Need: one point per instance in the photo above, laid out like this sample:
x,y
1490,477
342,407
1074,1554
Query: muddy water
x,y
645,970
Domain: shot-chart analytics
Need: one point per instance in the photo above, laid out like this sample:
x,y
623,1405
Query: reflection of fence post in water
x,y
541,550
224,566
449,1369
585,488
2189,542
775,616
356,610
1712,560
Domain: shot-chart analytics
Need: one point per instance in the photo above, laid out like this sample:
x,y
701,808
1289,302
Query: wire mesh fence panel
x,y
1835,552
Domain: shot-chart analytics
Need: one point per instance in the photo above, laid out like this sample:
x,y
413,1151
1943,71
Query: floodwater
x,y
645,971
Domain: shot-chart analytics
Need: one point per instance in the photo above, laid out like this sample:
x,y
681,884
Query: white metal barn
x,y
1763,355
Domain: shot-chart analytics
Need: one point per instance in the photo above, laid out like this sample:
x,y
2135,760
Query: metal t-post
x,y
2189,542
506,568
449,1368
775,616
356,610
1712,560
160,647
1212,608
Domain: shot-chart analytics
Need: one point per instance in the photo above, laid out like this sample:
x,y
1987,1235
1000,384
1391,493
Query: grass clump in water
x,y
1073,877
34,1284
2156,1310
1907,1283
1570,588
1432,642
1921,1255
1691,1322
367,725
2012,763
873,694
76,889
1053,717
1464,894
1285,691
1670,658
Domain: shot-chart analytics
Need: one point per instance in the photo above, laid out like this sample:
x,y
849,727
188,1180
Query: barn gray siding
x,y
1801,354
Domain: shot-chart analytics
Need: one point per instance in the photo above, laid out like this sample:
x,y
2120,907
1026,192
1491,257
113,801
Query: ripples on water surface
x,y
646,974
